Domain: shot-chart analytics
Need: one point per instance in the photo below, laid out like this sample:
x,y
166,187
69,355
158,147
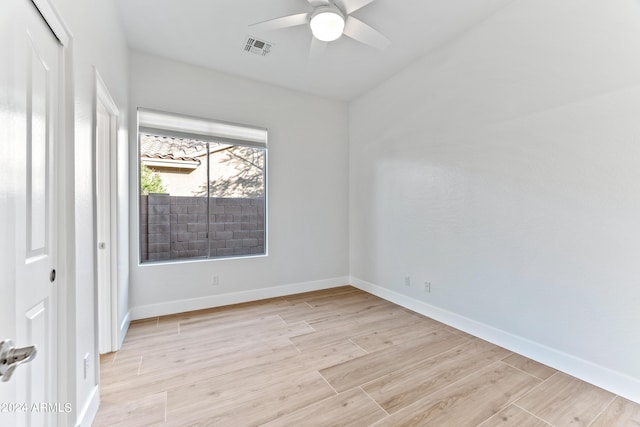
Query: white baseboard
x,y
613,381
90,409
180,306
124,327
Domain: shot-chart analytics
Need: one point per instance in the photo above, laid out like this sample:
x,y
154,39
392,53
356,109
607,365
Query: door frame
x,y
65,295
106,283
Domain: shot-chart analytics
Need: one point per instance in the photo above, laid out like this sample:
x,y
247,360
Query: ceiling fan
x,y
329,20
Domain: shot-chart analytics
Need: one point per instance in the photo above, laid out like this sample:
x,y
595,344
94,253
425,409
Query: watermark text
x,y
35,407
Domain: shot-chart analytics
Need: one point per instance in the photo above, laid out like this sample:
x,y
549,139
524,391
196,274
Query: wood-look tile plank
x,y
218,326
341,290
342,300
621,413
362,313
374,365
351,408
330,315
230,313
233,369
271,370
319,314
149,323
107,358
295,329
223,390
401,388
119,370
512,416
147,410
378,321
317,339
192,341
235,384
467,402
257,405
329,355
206,354
563,400
457,332
530,366
149,329
162,379
299,311
381,338
216,329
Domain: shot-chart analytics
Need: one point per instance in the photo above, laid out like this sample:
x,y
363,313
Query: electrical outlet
x,y
407,280
215,281
427,287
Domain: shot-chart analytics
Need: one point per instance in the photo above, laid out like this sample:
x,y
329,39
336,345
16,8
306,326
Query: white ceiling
x,y
210,33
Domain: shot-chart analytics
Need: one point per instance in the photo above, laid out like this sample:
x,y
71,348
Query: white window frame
x,y
176,125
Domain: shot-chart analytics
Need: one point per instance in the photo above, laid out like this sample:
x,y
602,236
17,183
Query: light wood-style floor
x,y
337,357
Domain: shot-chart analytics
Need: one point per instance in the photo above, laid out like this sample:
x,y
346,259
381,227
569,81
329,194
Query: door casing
x,y
106,128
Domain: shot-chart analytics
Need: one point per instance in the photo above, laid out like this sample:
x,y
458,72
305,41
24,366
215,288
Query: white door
x,y
28,224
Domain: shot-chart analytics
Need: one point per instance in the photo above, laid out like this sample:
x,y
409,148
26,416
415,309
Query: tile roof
x,y
162,147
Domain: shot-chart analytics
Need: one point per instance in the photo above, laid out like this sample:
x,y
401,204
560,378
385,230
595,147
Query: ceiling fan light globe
x,y
327,26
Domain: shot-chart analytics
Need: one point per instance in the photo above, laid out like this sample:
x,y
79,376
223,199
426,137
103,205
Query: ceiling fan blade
x,y
350,6
358,30
283,22
317,48
316,3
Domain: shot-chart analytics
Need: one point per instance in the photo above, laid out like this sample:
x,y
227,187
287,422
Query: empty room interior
x,y
321,213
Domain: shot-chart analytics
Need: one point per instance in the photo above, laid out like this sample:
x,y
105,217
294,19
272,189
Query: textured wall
x,y
503,168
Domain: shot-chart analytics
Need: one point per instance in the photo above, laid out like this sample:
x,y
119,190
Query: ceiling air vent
x,y
256,46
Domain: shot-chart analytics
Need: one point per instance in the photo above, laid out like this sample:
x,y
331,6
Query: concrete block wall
x,y
175,227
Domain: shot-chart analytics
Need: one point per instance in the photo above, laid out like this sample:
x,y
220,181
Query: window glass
x,y
200,197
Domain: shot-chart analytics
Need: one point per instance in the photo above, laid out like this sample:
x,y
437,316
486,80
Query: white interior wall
x,y
503,169
307,196
98,43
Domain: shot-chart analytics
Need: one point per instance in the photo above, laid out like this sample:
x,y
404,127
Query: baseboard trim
x,y
600,376
124,327
180,306
89,411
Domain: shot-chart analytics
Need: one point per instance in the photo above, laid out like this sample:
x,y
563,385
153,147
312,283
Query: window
x,y
202,188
